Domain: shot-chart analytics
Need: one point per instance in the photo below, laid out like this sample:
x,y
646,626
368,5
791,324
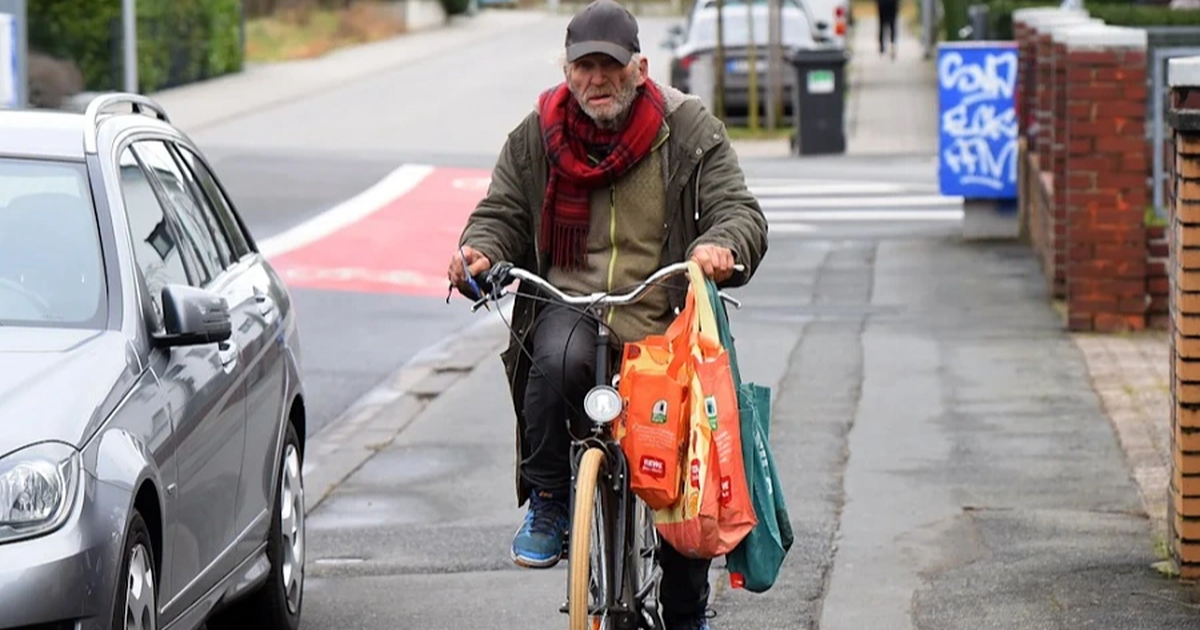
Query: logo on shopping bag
x,y
726,490
659,414
654,467
764,462
695,473
710,408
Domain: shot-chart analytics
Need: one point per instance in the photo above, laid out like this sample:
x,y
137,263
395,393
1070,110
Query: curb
x,y
381,415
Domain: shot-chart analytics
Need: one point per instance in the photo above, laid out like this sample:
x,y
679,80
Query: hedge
x,y
1000,15
179,41
1116,12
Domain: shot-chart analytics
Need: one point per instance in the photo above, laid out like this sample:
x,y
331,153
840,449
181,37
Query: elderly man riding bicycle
x,y
610,178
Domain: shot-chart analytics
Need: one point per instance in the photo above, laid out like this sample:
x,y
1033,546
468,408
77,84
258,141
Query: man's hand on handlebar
x,y
715,261
466,263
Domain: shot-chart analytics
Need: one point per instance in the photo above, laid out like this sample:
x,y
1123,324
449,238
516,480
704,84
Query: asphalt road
x,y
943,459
289,163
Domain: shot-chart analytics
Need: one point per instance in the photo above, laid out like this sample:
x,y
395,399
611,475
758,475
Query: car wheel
x,y
276,605
137,597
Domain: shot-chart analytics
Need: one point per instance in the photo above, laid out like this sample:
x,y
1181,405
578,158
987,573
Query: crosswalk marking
x,y
866,215
827,188
890,201
800,207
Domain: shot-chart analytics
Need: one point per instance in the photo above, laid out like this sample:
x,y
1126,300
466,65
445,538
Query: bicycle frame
x,y
624,613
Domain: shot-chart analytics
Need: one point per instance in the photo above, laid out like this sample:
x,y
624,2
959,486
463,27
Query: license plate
x,y
739,66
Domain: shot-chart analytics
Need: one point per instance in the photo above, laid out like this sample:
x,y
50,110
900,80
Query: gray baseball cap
x,y
603,27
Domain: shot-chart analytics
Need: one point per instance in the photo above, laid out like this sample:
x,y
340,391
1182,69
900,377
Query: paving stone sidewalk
x,y
1131,374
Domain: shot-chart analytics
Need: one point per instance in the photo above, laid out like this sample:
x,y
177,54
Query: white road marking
x,y
830,188
864,215
790,228
396,184
906,201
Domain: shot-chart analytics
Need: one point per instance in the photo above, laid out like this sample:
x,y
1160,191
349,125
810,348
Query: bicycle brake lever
x,y
731,300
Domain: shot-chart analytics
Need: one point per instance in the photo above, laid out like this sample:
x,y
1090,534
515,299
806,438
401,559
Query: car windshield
x,y
51,272
793,28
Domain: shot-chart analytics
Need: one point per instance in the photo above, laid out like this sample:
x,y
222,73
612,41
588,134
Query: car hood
x,y
56,384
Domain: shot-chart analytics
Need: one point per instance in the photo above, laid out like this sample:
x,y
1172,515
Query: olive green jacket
x,y
707,202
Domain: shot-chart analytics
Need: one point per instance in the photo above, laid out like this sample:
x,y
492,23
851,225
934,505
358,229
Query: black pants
x,y
564,355
887,21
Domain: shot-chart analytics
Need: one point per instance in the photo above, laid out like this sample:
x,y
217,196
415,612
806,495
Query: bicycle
x,y
605,511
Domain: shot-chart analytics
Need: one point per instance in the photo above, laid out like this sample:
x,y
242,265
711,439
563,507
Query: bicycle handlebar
x,y
498,276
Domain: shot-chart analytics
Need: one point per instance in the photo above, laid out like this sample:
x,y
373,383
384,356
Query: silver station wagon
x,y
152,417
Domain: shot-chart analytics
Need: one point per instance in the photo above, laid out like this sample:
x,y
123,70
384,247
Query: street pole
x,y
752,67
129,13
774,63
719,92
927,9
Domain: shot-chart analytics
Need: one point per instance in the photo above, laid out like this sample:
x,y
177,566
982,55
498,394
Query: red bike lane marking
x,y
402,248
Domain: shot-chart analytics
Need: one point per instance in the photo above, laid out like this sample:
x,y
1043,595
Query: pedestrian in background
x,y
887,10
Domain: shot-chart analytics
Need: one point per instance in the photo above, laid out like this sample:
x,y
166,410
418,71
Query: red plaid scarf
x,y
568,132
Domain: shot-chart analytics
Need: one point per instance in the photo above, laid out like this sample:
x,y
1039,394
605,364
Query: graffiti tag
x,y
978,127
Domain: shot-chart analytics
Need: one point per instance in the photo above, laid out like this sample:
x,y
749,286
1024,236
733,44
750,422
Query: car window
x,y
155,247
195,231
793,29
219,202
205,208
51,268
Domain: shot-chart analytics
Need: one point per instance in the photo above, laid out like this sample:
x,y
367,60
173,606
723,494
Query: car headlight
x,y
37,489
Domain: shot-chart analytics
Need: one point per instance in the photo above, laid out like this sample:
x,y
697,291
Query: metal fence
x,y
1165,43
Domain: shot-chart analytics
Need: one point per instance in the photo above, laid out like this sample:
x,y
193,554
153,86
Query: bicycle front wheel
x,y
590,559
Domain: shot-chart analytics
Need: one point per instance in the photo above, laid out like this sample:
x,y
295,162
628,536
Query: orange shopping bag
x,y
652,430
714,386
690,526
716,512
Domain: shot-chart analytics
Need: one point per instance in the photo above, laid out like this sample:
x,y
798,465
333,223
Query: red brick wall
x,y
1086,185
1106,193
1158,280
1184,506
1043,103
1025,60
1056,164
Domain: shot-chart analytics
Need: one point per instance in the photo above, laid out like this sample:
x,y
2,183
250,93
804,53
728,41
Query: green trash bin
x,y
819,98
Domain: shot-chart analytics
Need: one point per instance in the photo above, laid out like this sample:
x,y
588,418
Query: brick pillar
x,y
1055,137
1024,33
1042,98
1106,192
1184,506
1037,65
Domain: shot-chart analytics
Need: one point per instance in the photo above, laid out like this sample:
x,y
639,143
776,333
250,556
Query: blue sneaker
x,y
539,542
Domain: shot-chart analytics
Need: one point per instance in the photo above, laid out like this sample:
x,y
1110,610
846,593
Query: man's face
x,y
604,88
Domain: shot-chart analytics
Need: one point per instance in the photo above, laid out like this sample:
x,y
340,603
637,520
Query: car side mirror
x,y
193,316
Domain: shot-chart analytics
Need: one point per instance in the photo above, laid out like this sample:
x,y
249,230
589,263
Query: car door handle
x,y
228,351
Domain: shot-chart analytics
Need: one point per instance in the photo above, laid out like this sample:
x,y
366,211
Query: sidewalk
x,y
199,105
945,460
1131,374
892,107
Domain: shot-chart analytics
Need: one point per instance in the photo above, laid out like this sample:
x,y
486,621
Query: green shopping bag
x,y
754,564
